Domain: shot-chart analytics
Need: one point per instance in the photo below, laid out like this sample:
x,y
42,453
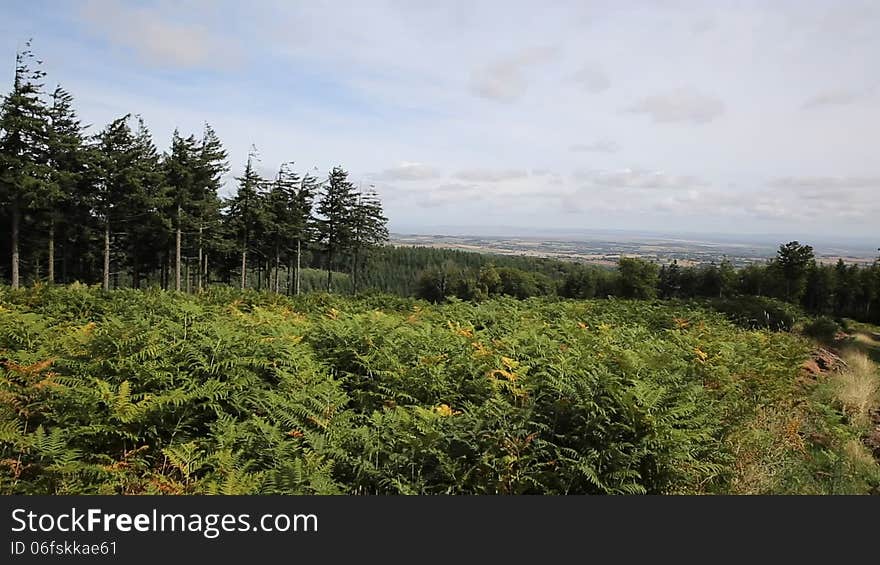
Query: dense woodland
x,y
108,208
793,276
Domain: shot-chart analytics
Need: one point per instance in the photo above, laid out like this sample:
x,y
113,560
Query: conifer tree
x,y
305,224
23,133
128,193
212,165
67,164
369,229
280,225
180,175
335,212
245,211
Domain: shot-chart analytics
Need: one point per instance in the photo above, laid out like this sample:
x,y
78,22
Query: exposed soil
x,y
873,438
821,361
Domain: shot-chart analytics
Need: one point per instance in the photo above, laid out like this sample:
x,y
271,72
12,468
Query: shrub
x,y
823,328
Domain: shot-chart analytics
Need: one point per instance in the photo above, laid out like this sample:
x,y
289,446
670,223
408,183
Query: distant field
x,y
607,252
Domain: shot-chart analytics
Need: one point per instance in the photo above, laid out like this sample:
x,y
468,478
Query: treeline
x,y
793,276
110,208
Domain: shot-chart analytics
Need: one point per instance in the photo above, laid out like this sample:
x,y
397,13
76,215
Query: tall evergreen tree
x,y
793,260
23,134
245,211
281,221
128,195
305,225
369,229
181,168
334,223
67,165
212,165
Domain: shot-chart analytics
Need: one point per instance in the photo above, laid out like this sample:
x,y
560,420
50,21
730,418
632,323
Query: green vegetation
x,y
760,293
108,207
228,392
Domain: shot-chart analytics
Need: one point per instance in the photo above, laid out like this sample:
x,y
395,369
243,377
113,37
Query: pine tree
x,y
335,212
305,223
146,227
212,165
128,194
278,236
245,211
67,164
180,175
369,229
23,134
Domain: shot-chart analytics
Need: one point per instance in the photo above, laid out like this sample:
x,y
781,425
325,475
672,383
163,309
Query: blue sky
x,y
758,117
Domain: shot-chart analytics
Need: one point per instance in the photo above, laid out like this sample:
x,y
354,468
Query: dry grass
x,y
857,388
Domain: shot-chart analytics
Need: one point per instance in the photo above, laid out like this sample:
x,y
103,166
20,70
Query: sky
x,y
723,117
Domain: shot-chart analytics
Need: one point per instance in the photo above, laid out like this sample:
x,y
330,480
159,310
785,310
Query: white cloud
x,y
506,80
683,105
407,171
157,39
637,179
826,182
490,175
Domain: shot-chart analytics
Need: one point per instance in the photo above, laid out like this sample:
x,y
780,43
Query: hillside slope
x,y
146,391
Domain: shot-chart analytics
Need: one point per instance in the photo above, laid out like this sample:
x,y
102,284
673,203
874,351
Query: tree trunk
x,y
64,266
106,282
354,266
16,221
277,270
289,285
199,276
188,280
205,272
298,265
50,276
135,272
329,270
177,254
243,267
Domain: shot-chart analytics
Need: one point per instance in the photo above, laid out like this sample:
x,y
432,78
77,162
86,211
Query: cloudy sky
x,y
759,117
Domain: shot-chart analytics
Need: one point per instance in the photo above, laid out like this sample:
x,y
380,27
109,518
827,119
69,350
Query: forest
x,y
160,337
108,208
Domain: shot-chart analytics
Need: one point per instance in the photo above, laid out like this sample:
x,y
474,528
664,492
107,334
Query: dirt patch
x,y
821,361
872,441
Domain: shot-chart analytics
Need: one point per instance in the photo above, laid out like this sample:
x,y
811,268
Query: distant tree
x,y
637,278
335,215
793,260
728,278
669,280
489,281
818,294
437,283
369,230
